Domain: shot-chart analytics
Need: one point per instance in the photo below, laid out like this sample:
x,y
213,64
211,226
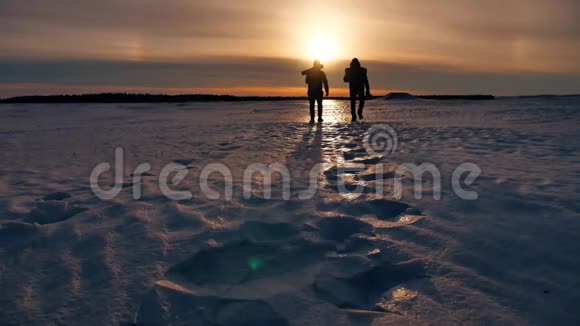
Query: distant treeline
x,y
153,98
139,98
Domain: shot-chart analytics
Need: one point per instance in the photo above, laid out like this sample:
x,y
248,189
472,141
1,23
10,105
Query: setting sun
x,y
322,47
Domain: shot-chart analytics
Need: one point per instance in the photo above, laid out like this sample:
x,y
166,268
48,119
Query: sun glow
x,y
322,47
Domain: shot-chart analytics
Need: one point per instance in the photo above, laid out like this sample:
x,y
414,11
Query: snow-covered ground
x,y
509,257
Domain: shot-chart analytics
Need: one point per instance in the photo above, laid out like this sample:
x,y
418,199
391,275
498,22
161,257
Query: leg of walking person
x,y
353,104
361,95
319,100
311,100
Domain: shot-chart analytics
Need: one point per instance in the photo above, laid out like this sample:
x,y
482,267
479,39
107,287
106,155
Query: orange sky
x,y
529,44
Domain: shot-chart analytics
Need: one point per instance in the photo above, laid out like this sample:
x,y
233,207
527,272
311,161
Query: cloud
x,y
112,29
230,73
147,17
441,46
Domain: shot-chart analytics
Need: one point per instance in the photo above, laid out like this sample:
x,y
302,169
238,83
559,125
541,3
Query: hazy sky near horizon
x,y
259,47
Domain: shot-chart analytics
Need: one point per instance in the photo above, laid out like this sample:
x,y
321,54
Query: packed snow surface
x,y
508,257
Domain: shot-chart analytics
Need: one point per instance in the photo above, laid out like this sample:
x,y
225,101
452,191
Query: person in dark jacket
x,y
358,81
316,79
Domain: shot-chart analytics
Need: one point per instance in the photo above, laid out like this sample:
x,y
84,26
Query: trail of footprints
x,y
337,259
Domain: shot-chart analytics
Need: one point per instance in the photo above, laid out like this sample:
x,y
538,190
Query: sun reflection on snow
x,y
334,111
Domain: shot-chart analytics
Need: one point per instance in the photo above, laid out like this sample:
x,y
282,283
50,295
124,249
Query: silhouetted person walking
x,y
358,81
316,79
